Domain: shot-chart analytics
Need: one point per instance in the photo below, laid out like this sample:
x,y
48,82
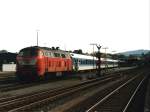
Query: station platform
x,y
7,72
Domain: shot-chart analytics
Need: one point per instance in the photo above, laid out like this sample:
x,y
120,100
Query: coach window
x,y
81,62
86,61
91,61
77,60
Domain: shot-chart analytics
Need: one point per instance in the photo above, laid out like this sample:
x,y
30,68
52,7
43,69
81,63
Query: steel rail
x,y
18,100
56,96
91,109
84,82
10,104
126,107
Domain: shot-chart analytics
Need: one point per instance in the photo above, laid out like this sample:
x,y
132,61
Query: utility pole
x,y
113,59
37,37
106,66
93,44
99,60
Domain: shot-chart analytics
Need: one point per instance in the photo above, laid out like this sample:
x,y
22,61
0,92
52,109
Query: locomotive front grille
x,y
28,67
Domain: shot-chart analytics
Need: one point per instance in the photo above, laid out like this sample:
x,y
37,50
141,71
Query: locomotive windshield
x,y
28,52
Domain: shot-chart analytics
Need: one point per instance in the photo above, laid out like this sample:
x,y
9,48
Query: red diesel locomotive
x,y
36,61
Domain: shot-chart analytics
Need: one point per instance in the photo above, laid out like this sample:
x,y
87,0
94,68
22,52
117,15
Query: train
x,y
35,62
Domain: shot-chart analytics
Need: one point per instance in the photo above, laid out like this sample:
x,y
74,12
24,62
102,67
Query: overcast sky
x,y
120,25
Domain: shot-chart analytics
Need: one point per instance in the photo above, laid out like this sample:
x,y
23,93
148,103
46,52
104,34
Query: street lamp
x,y
105,56
113,58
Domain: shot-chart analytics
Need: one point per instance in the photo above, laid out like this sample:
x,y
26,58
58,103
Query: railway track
x,y
117,100
11,83
112,99
30,101
50,99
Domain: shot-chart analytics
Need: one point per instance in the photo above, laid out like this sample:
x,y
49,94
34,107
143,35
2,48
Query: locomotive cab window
x,y
40,53
28,52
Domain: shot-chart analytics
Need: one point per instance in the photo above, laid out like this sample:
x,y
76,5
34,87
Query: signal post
x,y
99,60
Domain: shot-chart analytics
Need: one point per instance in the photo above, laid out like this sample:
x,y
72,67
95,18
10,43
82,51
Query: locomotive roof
x,y
44,48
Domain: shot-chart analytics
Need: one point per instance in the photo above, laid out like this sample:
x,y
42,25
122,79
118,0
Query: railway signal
x,y
99,60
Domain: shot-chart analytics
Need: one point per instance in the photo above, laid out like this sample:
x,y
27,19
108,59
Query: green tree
x,y
79,51
3,51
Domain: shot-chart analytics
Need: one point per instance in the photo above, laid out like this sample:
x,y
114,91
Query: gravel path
x,y
50,85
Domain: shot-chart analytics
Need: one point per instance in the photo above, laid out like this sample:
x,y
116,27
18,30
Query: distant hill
x,y
135,52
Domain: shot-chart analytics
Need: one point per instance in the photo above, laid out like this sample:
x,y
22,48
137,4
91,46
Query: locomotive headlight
x,y
21,62
27,62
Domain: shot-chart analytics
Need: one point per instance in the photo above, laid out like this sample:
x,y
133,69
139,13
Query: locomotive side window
x,y
57,55
49,54
63,56
45,53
